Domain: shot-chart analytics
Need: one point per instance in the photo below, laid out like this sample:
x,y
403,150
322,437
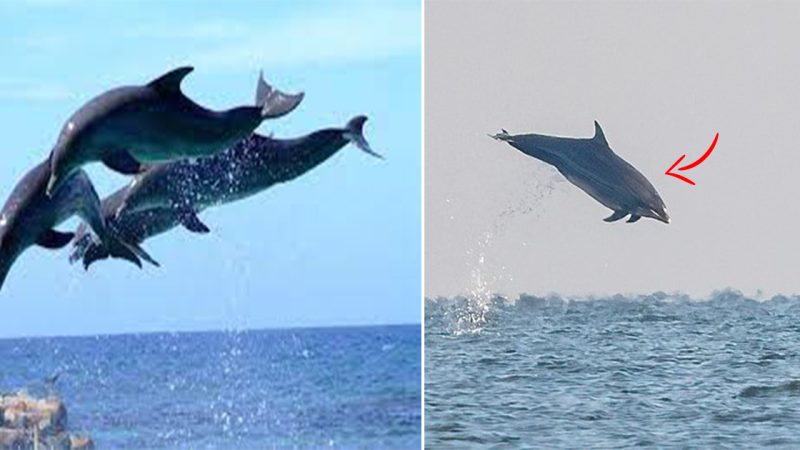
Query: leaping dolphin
x,y
591,165
134,125
173,194
29,216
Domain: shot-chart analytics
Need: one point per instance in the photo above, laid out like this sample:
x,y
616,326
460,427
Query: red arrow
x,y
692,165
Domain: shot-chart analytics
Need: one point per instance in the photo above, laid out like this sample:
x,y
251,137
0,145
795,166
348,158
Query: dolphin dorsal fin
x,y
170,82
598,134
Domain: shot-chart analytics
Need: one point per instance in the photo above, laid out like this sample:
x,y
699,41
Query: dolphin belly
x,y
601,193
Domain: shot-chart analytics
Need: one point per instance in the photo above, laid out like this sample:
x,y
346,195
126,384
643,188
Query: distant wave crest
x,y
471,314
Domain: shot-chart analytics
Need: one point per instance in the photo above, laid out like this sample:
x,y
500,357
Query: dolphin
x,y
29,216
591,165
173,194
134,125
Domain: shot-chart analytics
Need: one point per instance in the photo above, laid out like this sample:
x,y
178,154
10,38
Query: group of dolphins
x,y
184,159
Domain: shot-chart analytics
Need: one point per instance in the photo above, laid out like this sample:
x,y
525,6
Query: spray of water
x,y
473,311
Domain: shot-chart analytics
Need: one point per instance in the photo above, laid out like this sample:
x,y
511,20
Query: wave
x,y
471,314
722,295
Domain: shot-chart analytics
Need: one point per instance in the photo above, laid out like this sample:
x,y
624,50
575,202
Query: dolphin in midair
x,y
29,216
130,126
172,194
591,165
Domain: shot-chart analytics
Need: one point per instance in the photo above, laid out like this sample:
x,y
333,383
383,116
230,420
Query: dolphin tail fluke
x,y
501,136
354,132
116,248
86,248
94,251
141,253
81,243
274,103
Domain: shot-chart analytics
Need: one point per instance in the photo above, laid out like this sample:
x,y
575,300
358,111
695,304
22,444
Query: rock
x,y
24,419
81,443
14,439
22,411
60,441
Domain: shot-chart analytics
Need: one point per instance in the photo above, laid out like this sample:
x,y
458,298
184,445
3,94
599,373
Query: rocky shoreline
x,y
37,423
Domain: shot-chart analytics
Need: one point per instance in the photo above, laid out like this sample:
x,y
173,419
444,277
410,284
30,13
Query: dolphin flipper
x,y
193,223
53,239
616,216
633,218
121,161
274,103
141,253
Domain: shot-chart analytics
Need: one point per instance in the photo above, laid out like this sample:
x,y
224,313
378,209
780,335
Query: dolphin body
x,y
29,216
134,125
591,165
172,194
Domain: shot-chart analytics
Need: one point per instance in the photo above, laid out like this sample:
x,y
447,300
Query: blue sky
x,y
339,246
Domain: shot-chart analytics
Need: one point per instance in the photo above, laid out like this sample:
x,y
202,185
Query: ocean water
x,y
661,370
356,387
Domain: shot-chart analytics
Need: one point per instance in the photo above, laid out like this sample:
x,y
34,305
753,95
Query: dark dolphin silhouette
x,y
133,125
172,194
591,165
30,215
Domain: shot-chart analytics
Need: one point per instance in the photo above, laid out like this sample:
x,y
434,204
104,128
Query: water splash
x,y
536,188
472,316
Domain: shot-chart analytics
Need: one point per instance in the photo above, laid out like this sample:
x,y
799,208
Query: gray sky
x,y
661,78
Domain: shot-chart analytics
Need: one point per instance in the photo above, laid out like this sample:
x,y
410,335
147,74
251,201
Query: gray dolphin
x,y
133,125
172,194
591,165
29,216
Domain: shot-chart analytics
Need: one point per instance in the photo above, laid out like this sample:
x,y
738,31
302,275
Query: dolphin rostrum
x,y
591,165
29,216
134,125
172,194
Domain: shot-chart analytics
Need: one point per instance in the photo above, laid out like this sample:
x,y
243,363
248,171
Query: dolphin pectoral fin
x,y
193,223
141,253
119,249
170,82
633,218
53,239
122,162
616,216
274,103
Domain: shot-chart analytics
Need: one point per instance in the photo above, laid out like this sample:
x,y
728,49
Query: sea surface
x,y
661,370
356,387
